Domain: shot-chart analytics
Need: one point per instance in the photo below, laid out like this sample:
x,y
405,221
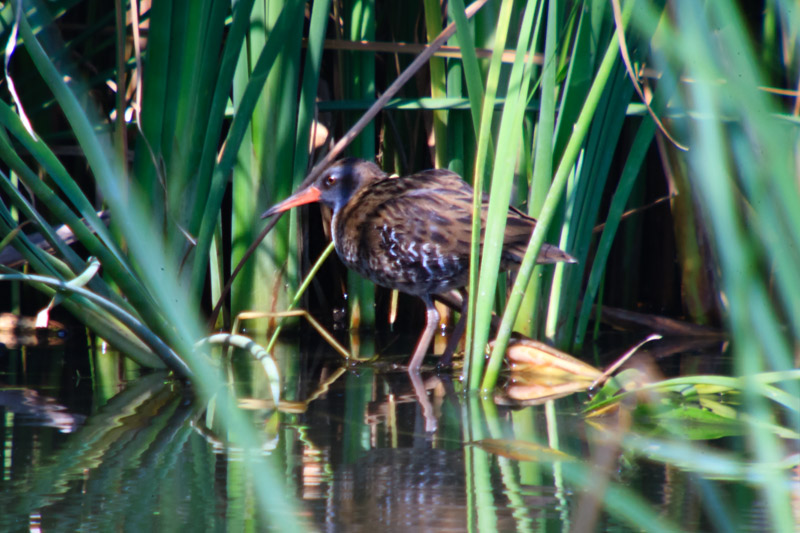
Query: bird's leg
x,y
424,402
455,337
431,323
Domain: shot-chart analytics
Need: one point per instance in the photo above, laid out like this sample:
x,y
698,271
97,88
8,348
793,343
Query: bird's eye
x,y
330,180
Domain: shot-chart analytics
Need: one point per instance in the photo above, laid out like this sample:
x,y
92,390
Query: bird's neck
x,y
349,218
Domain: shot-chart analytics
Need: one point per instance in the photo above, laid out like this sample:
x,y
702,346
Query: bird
x,y
411,233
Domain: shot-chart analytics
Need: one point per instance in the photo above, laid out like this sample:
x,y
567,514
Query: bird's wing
x,y
429,209
431,217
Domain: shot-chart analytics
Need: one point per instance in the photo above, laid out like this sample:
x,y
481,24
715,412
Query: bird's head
x,y
334,187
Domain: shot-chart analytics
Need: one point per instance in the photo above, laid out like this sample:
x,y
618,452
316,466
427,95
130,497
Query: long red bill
x,y
305,196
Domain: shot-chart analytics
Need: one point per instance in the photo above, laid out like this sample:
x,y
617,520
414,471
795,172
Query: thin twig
x,y
598,228
618,363
393,89
215,313
623,48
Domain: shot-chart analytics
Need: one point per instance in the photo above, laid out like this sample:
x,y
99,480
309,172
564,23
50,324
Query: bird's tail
x,y
552,254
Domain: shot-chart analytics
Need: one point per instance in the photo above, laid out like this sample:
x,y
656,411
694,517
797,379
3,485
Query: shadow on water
x,y
355,447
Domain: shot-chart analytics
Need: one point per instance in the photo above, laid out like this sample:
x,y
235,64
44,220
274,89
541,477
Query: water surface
x,y
353,443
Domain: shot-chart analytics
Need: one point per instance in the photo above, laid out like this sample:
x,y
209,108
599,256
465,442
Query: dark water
x,y
137,452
